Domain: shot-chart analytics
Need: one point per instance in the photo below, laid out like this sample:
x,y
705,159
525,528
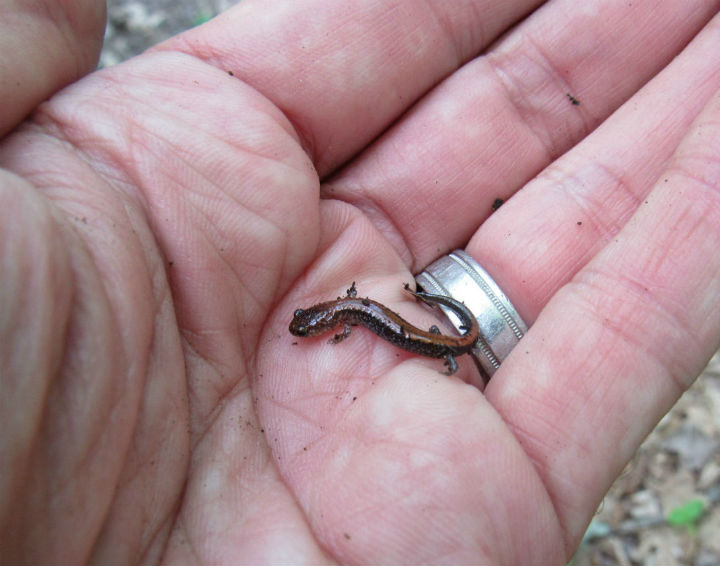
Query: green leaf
x,y
201,18
687,514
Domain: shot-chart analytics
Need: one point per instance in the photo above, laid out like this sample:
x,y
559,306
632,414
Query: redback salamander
x,y
352,310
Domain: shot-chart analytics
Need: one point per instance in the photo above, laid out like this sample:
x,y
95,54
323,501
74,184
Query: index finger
x,y
343,72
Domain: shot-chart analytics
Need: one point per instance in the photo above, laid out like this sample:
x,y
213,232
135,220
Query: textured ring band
x,y
459,276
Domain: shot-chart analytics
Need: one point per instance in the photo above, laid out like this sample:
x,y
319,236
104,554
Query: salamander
x,y
352,310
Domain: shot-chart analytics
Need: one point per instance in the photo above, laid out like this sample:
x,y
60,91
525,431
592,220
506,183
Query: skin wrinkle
x,y
303,133
642,294
146,555
201,431
705,181
68,36
83,462
200,424
79,238
385,224
216,367
527,112
246,293
55,12
614,182
61,484
445,26
21,462
84,150
356,196
480,36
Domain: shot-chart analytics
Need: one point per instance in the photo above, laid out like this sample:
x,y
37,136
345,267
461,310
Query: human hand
x,y
163,219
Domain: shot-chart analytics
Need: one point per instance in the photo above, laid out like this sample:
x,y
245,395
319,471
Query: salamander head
x,y
299,323
309,322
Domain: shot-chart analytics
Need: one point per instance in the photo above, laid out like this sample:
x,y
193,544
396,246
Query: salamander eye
x,y
298,313
300,331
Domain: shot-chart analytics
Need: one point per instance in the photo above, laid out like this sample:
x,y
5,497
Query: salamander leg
x,y
419,296
406,286
451,364
434,330
352,291
340,337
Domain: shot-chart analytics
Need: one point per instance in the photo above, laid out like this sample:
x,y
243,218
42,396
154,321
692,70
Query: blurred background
x,y
133,26
663,509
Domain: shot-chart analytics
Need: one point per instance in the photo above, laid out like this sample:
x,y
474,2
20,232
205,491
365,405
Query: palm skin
x,y
162,219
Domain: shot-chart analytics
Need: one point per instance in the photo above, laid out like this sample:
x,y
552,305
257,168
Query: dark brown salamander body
x,y
352,310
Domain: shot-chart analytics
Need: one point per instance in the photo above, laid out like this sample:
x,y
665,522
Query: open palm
x,y
162,219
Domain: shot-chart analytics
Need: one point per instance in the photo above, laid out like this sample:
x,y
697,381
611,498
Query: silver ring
x,y
459,276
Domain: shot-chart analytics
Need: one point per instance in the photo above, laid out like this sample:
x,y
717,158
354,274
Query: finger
x,y
593,190
615,348
483,133
343,72
44,46
61,454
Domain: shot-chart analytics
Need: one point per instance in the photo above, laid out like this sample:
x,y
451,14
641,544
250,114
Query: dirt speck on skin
x,y
677,465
